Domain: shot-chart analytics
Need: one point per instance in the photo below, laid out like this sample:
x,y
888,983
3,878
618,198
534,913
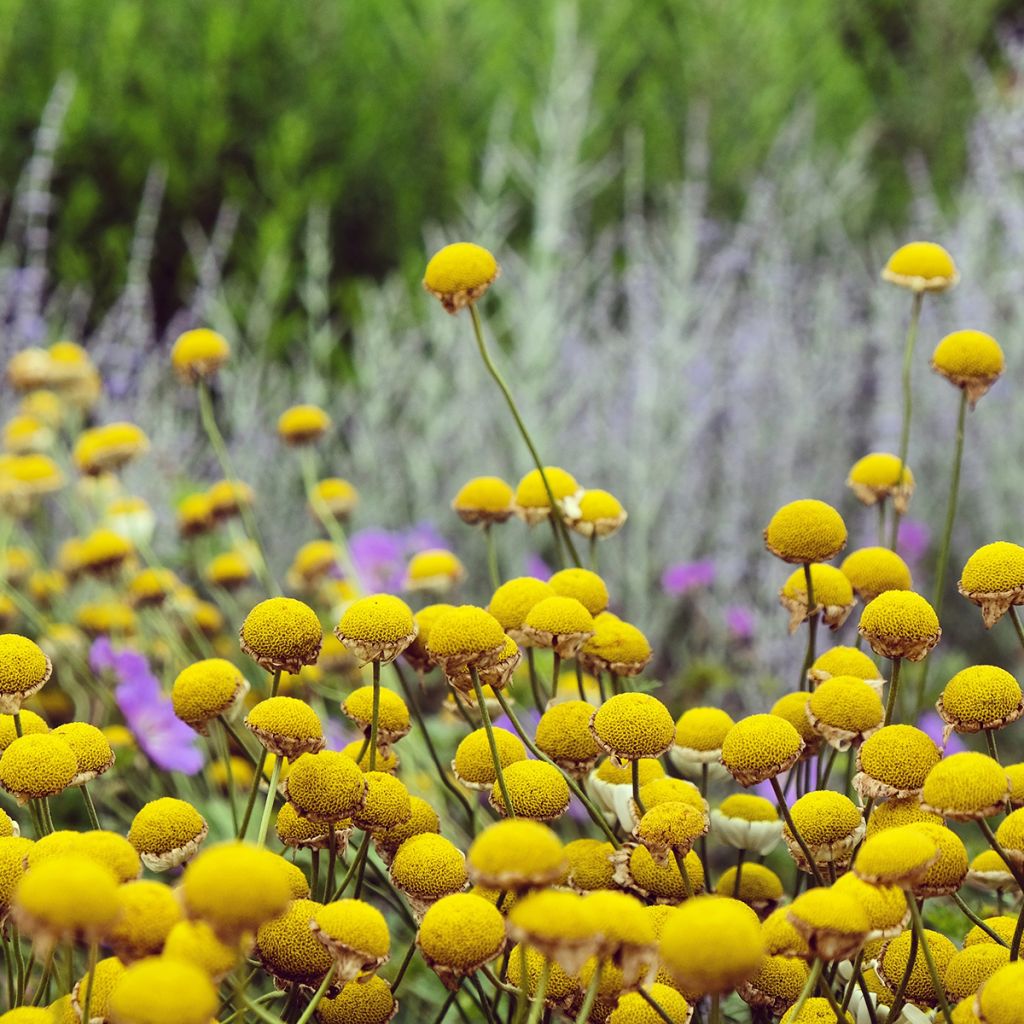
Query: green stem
x,y
404,966
894,688
579,680
307,1014
559,529
542,990
492,556
87,1004
634,774
332,858
975,920
940,991
268,806
990,740
805,993
1015,619
253,790
684,875
538,700
229,780
812,628
784,808
881,522
908,364
1017,932
740,857
90,808
556,671
364,848
375,715
239,742
486,719
655,1005
715,1015
591,994
898,999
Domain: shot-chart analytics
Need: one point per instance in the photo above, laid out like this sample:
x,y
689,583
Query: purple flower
x,y
912,539
537,567
932,724
739,621
683,577
380,556
166,740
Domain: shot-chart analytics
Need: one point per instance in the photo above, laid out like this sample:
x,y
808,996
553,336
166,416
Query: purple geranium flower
x,y
739,621
682,577
380,556
537,567
912,539
933,725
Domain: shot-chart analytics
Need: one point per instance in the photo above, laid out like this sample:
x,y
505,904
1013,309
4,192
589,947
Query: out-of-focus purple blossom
x,y
682,577
739,621
336,735
537,567
528,719
933,725
912,539
380,556
166,740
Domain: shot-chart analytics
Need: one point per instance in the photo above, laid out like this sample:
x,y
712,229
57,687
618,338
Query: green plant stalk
x,y
591,994
268,806
486,719
634,776
715,1015
220,449
253,790
375,715
538,701
332,857
937,985
805,993
908,398
812,628
894,689
542,990
941,566
90,807
684,875
404,966
87,1002
492,556
229,781
558,528
364,849
784,808
314,1001
329,522
975,920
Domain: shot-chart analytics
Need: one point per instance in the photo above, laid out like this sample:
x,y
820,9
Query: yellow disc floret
x,y
631,726
966,787
805,531
282,634
872,571
900,624
759,747
459,274
162,990
921,267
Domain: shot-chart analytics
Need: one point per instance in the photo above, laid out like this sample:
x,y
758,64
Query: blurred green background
x,y
379,110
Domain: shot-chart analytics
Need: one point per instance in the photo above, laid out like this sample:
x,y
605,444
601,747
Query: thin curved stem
x,y
253,791
805,993
937,985
975,920
90,808
634,774
784,807
404,966
314,1001
492,556
591,994
654,1005
538,700
542,990
894,688
684,875
812,628
364,848
485,717
268,806
908,398
87,1003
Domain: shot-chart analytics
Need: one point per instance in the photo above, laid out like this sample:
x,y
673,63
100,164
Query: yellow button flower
x,y
834,924
631,726
597,514
981,697
377,628
900,624
893,965
436,569
327,786
148,912
805,531
896,856
336,496
167,832
921,267
874,570
37,766
970,360
459,274
1001,996
616,646
24,671
516,854
66,898
531,502
199,354
993,579
833,596
160,990
829,824
538,791
970,968
845,710
285,726
965,787
303,424
459,934
760,888
282,634
205,690
759,747
287,948
355,934
427,867
894,762
483,500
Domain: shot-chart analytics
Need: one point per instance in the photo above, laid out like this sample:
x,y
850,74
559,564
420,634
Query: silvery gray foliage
x,y
705,372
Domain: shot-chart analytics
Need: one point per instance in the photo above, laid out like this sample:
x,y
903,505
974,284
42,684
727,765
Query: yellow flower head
x,y
148,912
805,531
161,990
466,637
637,871
558,923
336,496
971,360
817,1010
303,424
66,897
780,937
288,949
24,435
793,708
590,865
631,726
355,934
999,1000
1015,773
948,872
833,596
421,820
286,727
196,942
993,578
385,805
896,856
104,551
561,623
459,934
760,887
969,969
829,824
844,661
632,1008
845,710
1003,925
24,670
882,475
235,887
965,787
473,765
195,515
894,762
24,477
759,747
364,1001
616,646
921,267
900,624
428,866
981,697
513,600
563,733
747,822
36,766
282,634
31,723
327,787
436,569
167,832
777,983
885,905
834,924
199,354
230,570
538,790
206,689
703,729
108,448
872,571
393,715
892,965
105,618
13,853
312,562
563,989
91,749
587,587
229,497
150,587
377,628
459,274
597,514
531,501
483,500
712,944
516,854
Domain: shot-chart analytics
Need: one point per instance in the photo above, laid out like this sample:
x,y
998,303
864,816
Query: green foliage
x,y
378,111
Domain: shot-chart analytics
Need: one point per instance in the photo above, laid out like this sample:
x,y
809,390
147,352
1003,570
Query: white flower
x,y
754,836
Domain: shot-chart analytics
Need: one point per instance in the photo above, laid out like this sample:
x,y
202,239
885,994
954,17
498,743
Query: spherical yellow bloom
x,y
637,871
459,934
747,822
759,747
33,1015
885,905
195,515
288,949
167,832
760,887
845,710
597,514
515,854
670,827
377,628
229,570
965,787
900,624
302,424
537,790
981,697
921,267
894,762
358,751
282,634
561,623
286,727
948,872
989,872
834,924
999,1000
108,448
312,562
427,867
8,826
199,353
557,923
148,912
66,897
971,360
712,944
385,805
881,475
893,964
563,989
26,477
616,646
159,990
630,726
590,865
587,587
26,435
436,569
106,976
465,637
104,551
703,729
36,766
777,983
793,708
355,934
874,570
781,938
206,689
632,1008
805,531
484,499
829,824
364,1001
970,968
422,819
235,887
817,1010
459,274
512,601
993,578
563,733
833,596
327,786
473,765
393,716
1010,835
111,849
896,856
196,942
31,724
229,497
334,495
150,587
24,670
297,831
90,747
531,502
13,852
1003,925
417,653
105,618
